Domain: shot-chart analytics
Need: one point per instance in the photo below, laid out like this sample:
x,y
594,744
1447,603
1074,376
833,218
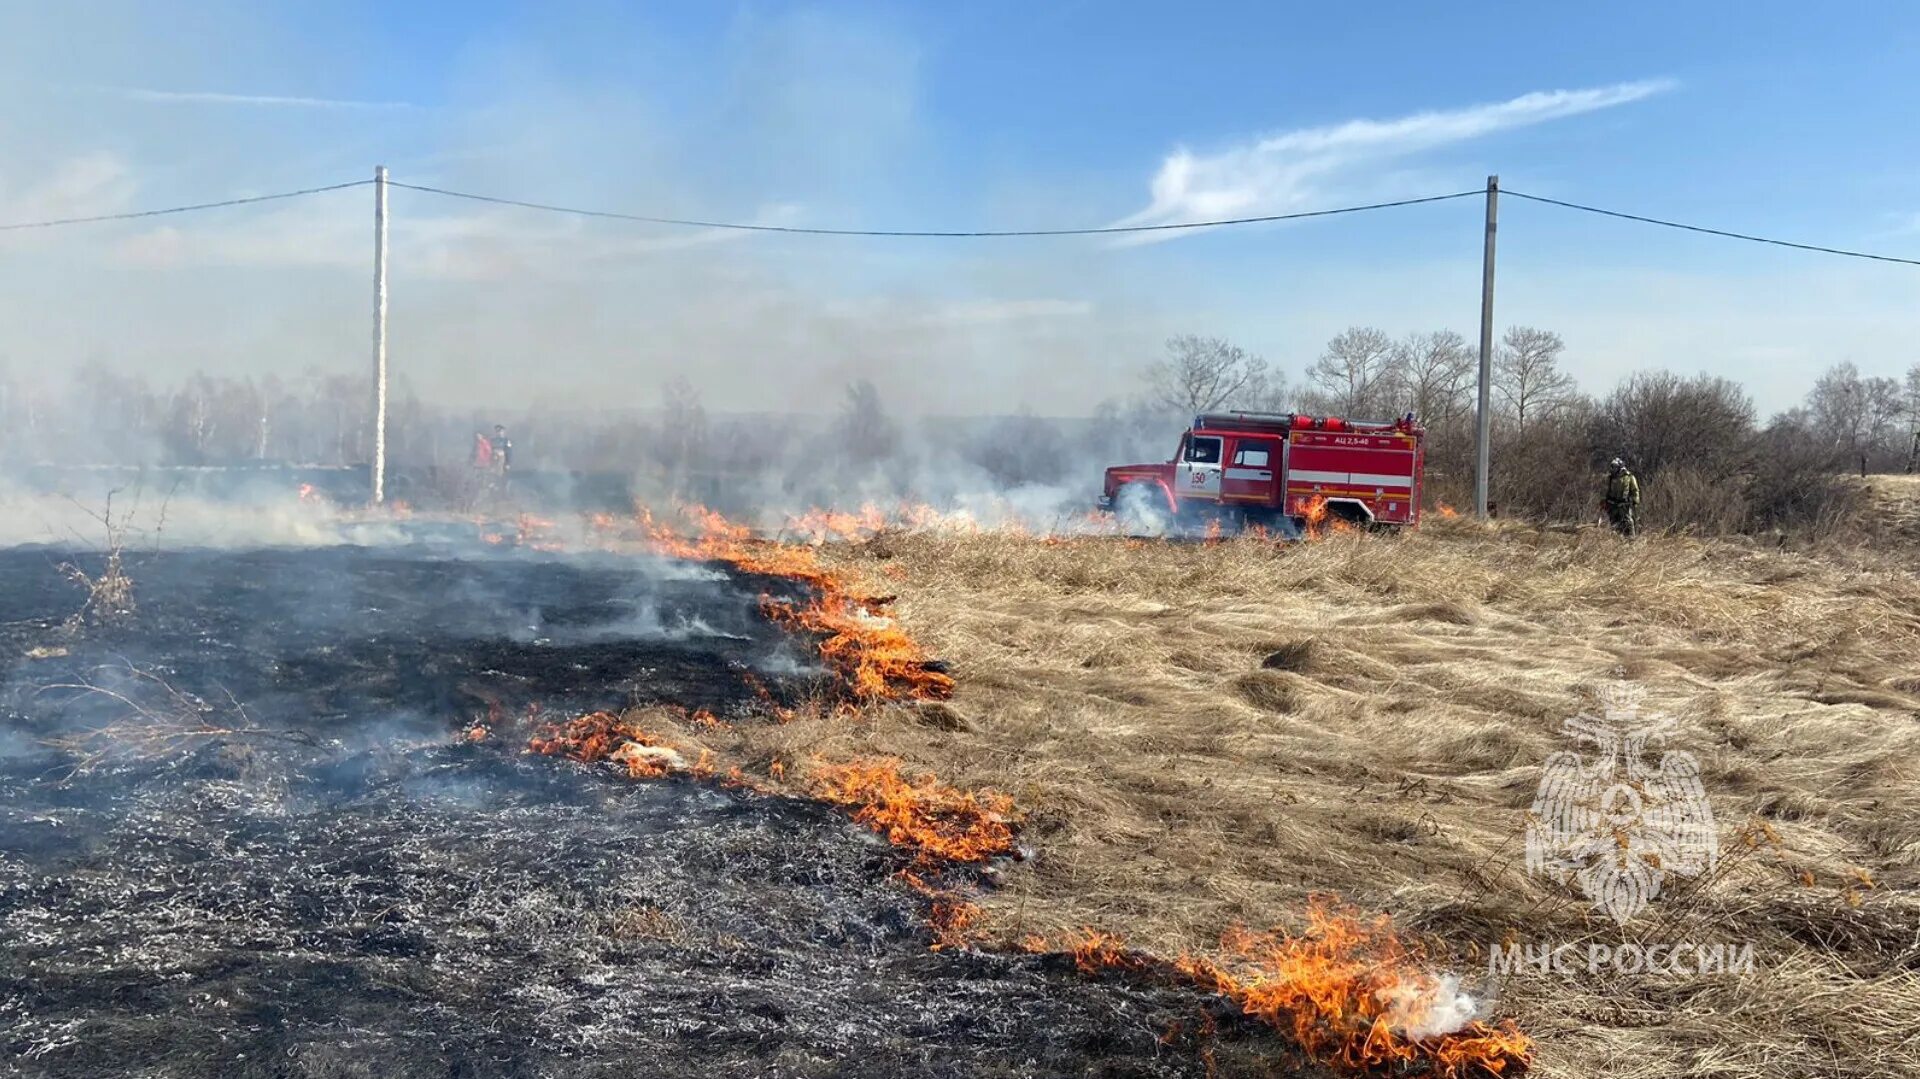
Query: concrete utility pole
x,y
379,334
1483,420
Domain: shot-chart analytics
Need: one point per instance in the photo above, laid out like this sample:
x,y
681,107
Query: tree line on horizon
x,y
1708,459
1706,456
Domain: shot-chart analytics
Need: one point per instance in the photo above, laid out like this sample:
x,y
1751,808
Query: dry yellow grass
x,y
1896,502
1204,735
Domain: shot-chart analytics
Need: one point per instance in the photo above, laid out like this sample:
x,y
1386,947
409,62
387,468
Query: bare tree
x,y
683,431
1204,373
1838,409
1433,371
1527,373
1912,395
866,433
1020,449
1356,373
193,420
1885,412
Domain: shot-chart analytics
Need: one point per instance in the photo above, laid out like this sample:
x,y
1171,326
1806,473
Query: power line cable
x,y
1710,232
949,233
131,215
926,233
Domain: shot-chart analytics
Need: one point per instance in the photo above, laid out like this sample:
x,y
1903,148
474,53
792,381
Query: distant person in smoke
x,y
1623,497
482,451
502,449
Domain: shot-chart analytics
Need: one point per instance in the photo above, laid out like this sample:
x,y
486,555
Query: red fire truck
x,y
1277,469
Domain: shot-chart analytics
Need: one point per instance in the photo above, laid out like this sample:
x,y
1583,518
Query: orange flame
x,y
536,533
826,526
1445,510
952,921
935,821
1314,510
308,494
1349,990
603,736
875,659
1094,951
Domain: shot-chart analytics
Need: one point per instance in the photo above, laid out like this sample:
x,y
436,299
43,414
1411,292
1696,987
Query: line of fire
x,y
524,793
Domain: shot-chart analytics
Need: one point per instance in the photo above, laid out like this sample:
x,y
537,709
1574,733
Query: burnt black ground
x,y
374,897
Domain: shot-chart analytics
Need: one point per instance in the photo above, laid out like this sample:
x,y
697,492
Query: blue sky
x,y
1766,118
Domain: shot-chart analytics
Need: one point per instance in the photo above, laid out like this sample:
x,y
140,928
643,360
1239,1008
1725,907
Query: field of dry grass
x,y
1896,501
1204,735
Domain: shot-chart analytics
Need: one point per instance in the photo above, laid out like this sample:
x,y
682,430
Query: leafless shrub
x,y
1694,500
1794,486
144,716
109,592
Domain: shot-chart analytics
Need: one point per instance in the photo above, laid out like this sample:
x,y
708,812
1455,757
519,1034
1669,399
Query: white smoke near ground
x,y
1140,512
141,518
645,622
1430,1008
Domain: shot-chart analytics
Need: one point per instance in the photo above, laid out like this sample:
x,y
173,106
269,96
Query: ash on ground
x,y
348,889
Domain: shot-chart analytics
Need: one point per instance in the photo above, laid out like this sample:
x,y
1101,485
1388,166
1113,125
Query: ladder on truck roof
x,y
1281,422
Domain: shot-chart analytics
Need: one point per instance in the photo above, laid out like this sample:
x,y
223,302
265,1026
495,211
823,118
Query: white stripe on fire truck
x,y
1249,473
1357,479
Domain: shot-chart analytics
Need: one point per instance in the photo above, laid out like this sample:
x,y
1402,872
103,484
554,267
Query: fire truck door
x,y
1198,474
1248,476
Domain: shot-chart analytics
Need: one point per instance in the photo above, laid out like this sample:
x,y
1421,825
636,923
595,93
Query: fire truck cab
x,y
1280,469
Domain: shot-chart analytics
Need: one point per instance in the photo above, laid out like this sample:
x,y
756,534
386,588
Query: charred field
x,y
279,820
637,796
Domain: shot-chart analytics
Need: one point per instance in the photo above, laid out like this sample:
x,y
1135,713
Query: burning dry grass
x,y
1350,989
922,814
603,736
874,658
1204,736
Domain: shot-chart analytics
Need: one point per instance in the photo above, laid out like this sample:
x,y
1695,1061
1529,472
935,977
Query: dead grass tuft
x,y
1291,655
1270,691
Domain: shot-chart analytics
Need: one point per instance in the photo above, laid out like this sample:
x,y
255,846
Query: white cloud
x,y
209,97
1293,170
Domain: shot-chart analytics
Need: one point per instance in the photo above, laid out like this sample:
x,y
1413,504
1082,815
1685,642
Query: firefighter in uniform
x,y
1623,497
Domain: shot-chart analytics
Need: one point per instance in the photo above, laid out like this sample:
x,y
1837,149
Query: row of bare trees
x,y
104,416
1365,372
1700,437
